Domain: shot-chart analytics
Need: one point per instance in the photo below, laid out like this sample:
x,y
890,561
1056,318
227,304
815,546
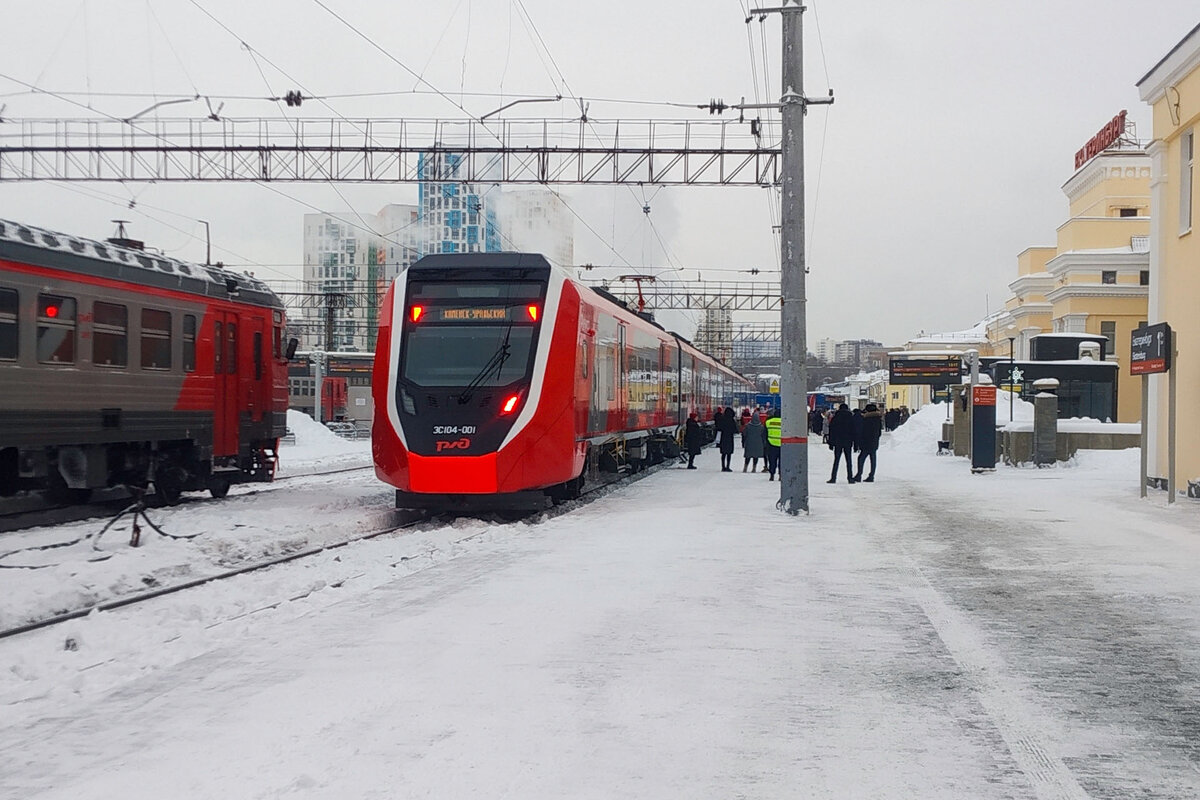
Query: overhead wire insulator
x,y
293,98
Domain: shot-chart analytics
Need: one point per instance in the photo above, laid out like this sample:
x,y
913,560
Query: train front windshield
x,y
457,355
477,333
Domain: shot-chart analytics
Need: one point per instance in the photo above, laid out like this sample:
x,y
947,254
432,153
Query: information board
x,y
1150,349
941,371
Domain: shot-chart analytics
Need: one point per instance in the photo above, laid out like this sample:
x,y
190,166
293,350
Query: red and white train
x,y
501,380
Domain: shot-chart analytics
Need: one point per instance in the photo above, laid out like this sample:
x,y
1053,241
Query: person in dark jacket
x,y
693,440
728,428
856,414
754,444
868,440
841,439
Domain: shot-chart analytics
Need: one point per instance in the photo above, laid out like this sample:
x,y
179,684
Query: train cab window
x,y
8,325
583,358
56,329
231,348
189,343
258,364
156,339
218,348
110,335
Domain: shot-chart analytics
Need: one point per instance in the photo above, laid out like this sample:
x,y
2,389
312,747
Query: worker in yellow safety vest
x,y
774,426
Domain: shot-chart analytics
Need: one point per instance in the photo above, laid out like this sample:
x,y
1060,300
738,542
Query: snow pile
x,y
920,434
318,447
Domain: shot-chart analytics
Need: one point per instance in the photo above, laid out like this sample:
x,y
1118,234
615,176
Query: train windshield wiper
x,y
494,364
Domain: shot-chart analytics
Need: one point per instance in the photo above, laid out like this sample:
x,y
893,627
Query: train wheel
x,y
218,486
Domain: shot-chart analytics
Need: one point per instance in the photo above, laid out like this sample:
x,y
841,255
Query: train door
x,y
225,384
257,375
624,406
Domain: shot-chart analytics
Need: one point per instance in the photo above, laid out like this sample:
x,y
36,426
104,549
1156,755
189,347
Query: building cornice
x,y
1182,59
1108,164
1119,261
1074,290
1036,283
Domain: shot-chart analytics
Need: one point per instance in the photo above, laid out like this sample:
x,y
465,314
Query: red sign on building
x,y
1100,142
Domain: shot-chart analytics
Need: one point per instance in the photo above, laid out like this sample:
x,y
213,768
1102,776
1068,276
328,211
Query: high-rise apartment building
x,y
349,259
536,221
455,217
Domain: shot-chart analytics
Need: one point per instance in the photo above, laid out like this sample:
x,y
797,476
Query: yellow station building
x,y
1172,88
1095,278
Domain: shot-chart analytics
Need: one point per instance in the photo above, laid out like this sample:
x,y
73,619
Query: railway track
x,y
405,520
31,511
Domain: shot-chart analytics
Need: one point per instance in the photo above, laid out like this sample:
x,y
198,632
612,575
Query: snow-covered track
x,y
410,519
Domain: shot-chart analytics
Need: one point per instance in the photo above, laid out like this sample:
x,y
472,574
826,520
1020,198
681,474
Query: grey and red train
x,y
498,377
124,367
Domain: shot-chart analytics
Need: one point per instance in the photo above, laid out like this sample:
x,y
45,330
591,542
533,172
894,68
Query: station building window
x,y
1187,146
1108,329
156,339
56,329
1108,276
110,335
8,325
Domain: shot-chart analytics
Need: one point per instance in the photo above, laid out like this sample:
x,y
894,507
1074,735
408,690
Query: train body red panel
x,y
119,366
498,375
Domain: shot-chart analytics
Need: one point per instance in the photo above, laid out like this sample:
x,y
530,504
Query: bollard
x,y
1045,422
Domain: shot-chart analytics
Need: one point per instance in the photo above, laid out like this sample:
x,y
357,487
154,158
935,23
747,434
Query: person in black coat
x,y
693,440
868,440
841,440
728,428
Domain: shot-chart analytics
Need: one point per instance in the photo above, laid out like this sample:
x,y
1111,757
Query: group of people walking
x,y
854,431
760,439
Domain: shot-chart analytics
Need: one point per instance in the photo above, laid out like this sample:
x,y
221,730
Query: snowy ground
x,y
1022,634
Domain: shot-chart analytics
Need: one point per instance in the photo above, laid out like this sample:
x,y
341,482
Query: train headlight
x,y
407,402
510,404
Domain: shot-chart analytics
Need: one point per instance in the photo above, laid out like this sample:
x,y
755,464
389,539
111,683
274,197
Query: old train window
x,y
110,335
56,329
8,325
189,343
231,348
156,339
218,347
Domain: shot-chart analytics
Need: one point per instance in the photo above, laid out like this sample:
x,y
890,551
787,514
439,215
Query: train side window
x,y
258,355
56,329
218,347
231,359
189,343
8,325
110,335
156,339
277,342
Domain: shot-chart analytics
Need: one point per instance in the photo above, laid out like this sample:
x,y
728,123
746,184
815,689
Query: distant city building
x,y
456,217
827,350
351,259
851,351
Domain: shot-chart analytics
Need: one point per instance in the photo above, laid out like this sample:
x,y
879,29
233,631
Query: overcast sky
x,y
954,129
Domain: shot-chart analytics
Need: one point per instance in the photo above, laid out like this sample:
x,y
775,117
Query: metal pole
x,y
793,380
1171,406
207,244
1145,431
316,357
1011,367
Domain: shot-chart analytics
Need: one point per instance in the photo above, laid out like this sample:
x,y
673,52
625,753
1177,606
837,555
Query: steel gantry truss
x,y
660,152
698,295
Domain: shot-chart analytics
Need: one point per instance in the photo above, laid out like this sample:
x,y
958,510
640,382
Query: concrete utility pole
x,y
793,462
